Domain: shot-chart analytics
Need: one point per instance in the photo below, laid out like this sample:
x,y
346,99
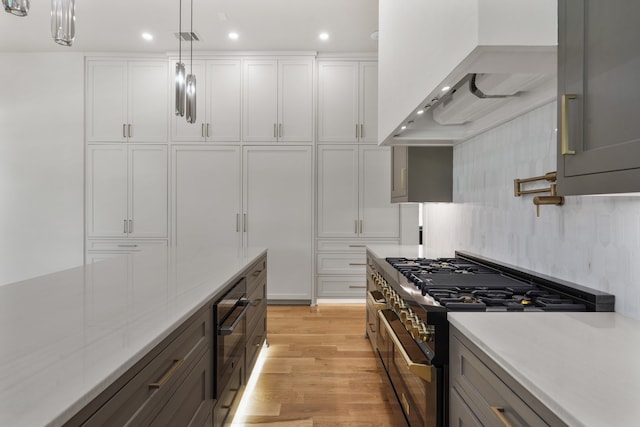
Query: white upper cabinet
x,y
278,100
127,191
127,101
354,182
507,46
218,103
347,101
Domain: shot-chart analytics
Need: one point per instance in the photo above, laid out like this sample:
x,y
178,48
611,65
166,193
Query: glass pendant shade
x,y
191,98
63,21
16,7
180,88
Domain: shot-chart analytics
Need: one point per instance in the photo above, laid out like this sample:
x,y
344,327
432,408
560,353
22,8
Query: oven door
x,y
418,385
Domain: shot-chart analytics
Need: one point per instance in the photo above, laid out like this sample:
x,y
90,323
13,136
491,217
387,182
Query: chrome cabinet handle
x,y
124,130
125,227
357,135
280,130
127,246
244,225
130,226
499,413
356,230
168,374
275,131
129,130
357,287
360,226
357,246
237,222
564,117
207,133
361,130
357,263
202,130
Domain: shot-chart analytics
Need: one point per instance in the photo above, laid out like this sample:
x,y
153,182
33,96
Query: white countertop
x,y
585,367
66,336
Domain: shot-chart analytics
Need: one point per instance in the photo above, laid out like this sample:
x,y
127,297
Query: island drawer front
x,y
192,404
229,398
489,397
257,306
354,246
341,263
254,344
147,388
124,245
257,275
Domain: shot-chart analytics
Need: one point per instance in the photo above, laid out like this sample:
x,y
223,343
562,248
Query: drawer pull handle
x,y
256,302
564,118
499,413
172,369
357,246
357,287
256,273
127,246
357,263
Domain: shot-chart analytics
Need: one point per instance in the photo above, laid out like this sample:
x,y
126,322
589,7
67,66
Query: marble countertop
x,y
583,366
66,336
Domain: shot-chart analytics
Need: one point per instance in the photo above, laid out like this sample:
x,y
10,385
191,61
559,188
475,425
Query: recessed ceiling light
x,y
374,35
403,128
323,36
446,88
147,36
233,35
420,112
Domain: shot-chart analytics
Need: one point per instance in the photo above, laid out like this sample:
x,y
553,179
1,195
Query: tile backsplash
x,y
591,240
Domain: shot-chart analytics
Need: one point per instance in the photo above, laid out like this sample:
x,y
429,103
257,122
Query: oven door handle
x,y
228,330
419,369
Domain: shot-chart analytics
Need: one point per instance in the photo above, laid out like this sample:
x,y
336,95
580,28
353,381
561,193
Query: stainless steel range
x,y
407,304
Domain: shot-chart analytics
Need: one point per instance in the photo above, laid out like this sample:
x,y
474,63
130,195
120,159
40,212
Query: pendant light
x,y
16,7
191,82
180,73
63,21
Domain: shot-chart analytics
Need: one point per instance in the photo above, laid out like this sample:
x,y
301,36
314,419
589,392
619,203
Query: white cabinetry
x,y
127,100
277,214
353,210
127,191
218,103
347,101
353,192
278,100
206,197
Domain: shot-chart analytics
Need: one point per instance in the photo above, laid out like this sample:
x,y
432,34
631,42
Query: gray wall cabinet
x,y
598,97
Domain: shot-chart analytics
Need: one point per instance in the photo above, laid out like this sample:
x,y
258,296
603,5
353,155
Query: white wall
x,y
591,240
41,164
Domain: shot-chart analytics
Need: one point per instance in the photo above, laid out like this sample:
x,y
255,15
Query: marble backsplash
x,y
591,240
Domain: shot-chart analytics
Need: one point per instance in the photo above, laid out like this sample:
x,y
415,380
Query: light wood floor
x,y
320,371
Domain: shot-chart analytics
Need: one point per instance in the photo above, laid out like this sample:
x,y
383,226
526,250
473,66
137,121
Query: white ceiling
x,y
116,26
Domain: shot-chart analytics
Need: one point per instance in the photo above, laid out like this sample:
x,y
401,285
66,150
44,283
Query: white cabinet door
x,y
295,100
338,101
127,190
148,101
206,197
278,188
260,100
148,191
127,101
223,100
106,101
107,190
181,130
368,103
380,218
337,191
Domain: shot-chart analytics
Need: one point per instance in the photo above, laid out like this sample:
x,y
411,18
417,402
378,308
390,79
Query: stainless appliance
x,y
407,305
230,320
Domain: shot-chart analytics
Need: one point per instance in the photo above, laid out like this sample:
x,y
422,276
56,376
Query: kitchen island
x,y
583,367
68,336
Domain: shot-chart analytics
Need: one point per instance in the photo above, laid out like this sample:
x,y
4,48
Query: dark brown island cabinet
x,y
172,385
598,97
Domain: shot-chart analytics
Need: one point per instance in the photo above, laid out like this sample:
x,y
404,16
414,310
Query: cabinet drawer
x,y
357,246
489,398
256,275
341,263
254,343
229,398
191,404
341,286
258,305
123,245
139,399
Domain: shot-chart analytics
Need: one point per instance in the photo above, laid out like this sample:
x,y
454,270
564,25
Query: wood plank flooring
x,y
320,371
